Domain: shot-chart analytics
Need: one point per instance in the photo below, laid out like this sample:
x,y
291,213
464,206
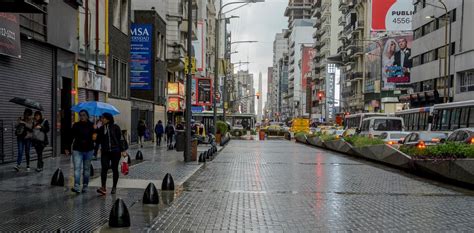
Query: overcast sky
x,y
260,22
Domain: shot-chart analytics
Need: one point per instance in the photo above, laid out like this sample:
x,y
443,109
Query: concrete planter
x,y
461,170
385,154
301,138
340,146
316,141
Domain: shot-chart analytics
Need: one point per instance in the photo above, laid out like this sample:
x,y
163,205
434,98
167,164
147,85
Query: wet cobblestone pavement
x,y
286,187
29,204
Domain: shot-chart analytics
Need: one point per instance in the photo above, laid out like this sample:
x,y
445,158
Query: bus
x,y
416,119
355,120
452,116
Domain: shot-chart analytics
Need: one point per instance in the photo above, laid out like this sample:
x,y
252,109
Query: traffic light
x,y
258,95
320,96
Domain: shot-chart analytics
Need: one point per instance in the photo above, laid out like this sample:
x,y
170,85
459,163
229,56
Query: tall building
x,y
244,101
280,47
328,19
270,92
283,108
355,14
428,72
298,34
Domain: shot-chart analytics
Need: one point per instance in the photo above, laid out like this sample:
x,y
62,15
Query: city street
x,y
282,186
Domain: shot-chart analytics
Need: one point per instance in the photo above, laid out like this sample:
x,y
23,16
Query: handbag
x,y
38,135
147,134
124,166
123,143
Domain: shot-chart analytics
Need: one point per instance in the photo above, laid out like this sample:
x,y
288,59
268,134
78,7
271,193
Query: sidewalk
x,y
30,203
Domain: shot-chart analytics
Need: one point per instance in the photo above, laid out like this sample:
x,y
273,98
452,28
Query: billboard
x,y
199,47
306,61
10,35
204,91
141,57
392,15
395,52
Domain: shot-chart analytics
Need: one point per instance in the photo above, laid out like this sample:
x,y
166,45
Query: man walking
x,y
169,134
159,130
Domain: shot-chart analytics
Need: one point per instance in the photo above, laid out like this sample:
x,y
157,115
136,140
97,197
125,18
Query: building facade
x,y
280,47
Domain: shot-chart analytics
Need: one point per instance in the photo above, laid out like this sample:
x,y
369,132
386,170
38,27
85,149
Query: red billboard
x,y
392,15
306,61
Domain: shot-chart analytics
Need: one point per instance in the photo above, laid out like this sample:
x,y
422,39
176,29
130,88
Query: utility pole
x,y
187,151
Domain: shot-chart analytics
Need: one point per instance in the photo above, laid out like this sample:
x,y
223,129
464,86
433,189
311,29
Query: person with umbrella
x,y
40,137
109,137
23,132
83,147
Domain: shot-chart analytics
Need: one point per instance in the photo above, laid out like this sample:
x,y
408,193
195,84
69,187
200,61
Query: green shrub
x,y
222,127
238,132
448,150
317,134
328,137
361,141
253,132
299,134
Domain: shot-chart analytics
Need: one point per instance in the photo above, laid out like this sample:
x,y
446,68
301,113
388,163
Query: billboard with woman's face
x,y
396,60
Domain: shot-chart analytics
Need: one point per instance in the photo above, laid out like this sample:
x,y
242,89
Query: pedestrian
x,y
109,137
169,134
141,130
23,132
159,130
40,137
82,134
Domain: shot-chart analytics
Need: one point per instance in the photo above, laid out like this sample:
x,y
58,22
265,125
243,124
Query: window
x,y
455,115
120,15
387,125
471,117
446,114
466,82
119,79
464,118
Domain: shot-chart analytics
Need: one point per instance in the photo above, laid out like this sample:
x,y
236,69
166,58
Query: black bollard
x,y
129,160
139,155
206,154
202,158
58,178
151,195
92,170
168,183
119,216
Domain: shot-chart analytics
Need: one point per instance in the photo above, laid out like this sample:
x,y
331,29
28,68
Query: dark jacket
x,y
81,136
169,129
141,129
159,130
407,62
44,124
108,136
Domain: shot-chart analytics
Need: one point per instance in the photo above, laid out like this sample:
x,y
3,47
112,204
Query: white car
x,y
393,137
374,126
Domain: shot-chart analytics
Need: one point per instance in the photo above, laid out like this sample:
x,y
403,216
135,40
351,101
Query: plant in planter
x,y
222,129
448,150
361,141
328,137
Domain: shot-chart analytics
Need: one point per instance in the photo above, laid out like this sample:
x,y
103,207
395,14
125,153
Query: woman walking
x,y
40,137
83,150
109,136
23,132
141,130
159,131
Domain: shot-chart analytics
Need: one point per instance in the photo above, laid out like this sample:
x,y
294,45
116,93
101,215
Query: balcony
x,y
316,44
354,76
317,12
317,23
342,5
342,35
315,34
359,25
341,21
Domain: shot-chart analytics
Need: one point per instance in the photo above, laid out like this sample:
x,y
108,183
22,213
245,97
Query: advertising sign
x,y
173,88
141,57
392,15
199,48
396,63
173,104
204,91
10,35
193,92
300,125
308,54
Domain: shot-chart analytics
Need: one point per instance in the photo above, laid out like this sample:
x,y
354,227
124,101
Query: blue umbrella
x,y
95,108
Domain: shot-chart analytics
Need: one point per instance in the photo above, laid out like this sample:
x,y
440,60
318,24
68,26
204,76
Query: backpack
x,y
20,130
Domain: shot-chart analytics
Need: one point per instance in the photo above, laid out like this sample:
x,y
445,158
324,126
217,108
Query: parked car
x,y
375,126
393,137
464,135
423,139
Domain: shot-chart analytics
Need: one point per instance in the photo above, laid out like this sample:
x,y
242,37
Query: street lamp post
x,y
216,55
187,152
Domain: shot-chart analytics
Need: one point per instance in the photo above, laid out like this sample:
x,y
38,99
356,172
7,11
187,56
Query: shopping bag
x,y
124,165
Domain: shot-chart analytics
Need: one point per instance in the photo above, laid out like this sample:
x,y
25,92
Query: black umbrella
x,y
27,103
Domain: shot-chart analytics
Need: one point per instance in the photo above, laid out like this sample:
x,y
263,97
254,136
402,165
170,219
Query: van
x,y
375,126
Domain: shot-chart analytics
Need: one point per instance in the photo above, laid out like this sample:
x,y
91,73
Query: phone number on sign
x,y
402,20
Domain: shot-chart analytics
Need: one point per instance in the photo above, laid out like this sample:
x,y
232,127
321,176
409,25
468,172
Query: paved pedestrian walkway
x,y
28,202
282,186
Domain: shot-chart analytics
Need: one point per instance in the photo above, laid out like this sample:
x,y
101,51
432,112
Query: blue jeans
x,y
24,146
82,159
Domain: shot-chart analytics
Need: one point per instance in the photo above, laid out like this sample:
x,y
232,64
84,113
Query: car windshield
x,y
387,125
398,135
431,136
